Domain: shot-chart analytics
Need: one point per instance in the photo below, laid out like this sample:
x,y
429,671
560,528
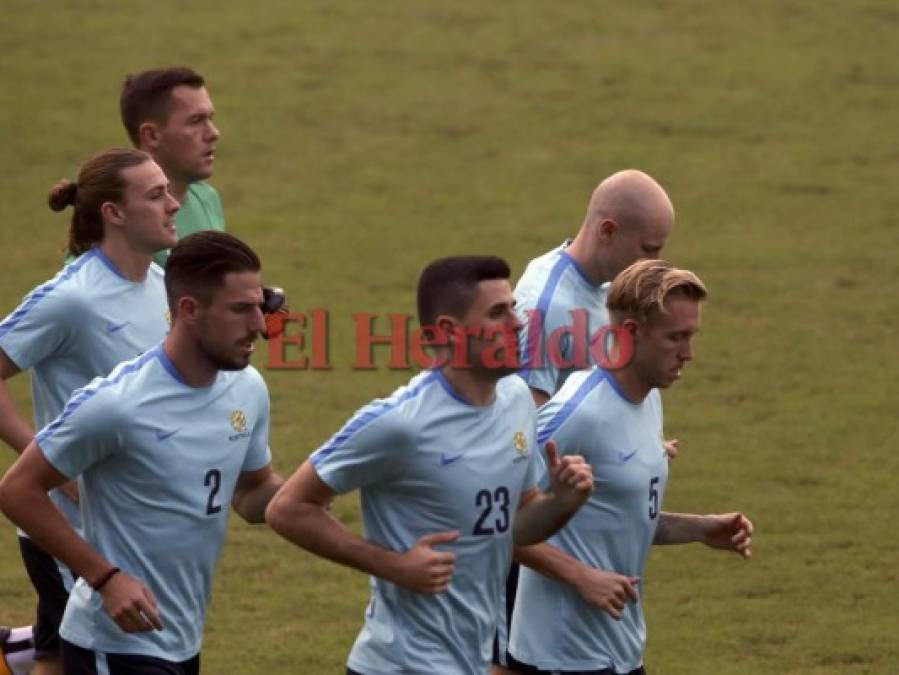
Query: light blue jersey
x,y
552,627
158,460
78,326
551,288
426,461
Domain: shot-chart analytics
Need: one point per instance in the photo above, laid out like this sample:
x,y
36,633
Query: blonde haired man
x,y
614,419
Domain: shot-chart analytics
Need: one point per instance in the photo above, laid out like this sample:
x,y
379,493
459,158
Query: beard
x,y
222,360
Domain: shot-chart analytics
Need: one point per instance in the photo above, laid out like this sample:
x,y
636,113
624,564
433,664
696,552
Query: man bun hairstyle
x,y
642,288
100,180
449,285
147,96
198,264
62,195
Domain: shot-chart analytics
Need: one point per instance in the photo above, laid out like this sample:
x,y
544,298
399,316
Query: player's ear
x,y
454,331
148,136
607,229
112,214
631,326
188,307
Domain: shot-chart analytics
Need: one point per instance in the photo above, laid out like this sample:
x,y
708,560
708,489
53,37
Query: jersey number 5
x,y
653,498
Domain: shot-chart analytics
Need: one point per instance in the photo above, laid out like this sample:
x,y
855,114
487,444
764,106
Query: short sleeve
x,y
259,453
41,326
367,450
560,421
538,370
536,474
85,431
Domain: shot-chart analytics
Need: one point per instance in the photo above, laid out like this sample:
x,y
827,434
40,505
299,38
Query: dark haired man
x,y
153,534
446,467
168,113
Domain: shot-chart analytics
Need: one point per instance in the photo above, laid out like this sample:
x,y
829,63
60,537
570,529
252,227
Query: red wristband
x,y
107,575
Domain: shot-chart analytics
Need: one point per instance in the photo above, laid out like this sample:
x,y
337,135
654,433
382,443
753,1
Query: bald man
x,y
629,217
561,298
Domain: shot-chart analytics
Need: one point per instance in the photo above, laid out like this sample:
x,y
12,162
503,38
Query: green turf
x,y
362,139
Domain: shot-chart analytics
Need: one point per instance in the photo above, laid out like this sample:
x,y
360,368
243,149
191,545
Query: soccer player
x,y
615,419
629,218
162,444
106,307
447,472
562,300
169,114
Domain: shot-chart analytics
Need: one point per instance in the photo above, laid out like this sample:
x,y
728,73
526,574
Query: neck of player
x,y
634,387
131,264
594,268
189,360
474,387
178,189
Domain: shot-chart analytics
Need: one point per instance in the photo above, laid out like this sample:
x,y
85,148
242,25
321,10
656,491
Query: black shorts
x,y
79,661
525,669
46,576
500,655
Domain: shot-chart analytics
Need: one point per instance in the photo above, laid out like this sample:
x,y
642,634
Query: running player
x,y
562,300
163,445
447,473
614,418
106,307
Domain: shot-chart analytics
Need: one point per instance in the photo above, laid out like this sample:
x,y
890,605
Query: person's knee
x,y
51,666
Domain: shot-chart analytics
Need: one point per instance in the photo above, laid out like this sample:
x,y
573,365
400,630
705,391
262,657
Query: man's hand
x,y
729,532
607,590
570,478
672,447
424,570
130,604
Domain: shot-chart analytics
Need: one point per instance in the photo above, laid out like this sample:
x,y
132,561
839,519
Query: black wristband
x,y
103,580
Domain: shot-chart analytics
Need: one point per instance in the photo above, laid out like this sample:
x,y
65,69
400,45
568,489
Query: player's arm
x,y
254,491
14,430
608,591
40,327
24,500
726,531
541,514
299,512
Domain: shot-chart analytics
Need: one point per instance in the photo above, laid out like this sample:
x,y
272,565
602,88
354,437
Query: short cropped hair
x,y
198,264
147,96
449,285
641,289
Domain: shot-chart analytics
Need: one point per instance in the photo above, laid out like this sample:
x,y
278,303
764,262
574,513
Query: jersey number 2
x,y
214,482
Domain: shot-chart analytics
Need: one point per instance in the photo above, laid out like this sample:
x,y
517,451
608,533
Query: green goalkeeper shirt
x,y
201,210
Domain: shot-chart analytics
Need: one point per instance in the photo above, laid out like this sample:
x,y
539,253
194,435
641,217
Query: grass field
x,y
361,140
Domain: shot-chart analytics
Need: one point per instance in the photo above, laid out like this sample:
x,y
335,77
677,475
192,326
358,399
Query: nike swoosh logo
x,y
444,459
626,458
162,435
115,327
